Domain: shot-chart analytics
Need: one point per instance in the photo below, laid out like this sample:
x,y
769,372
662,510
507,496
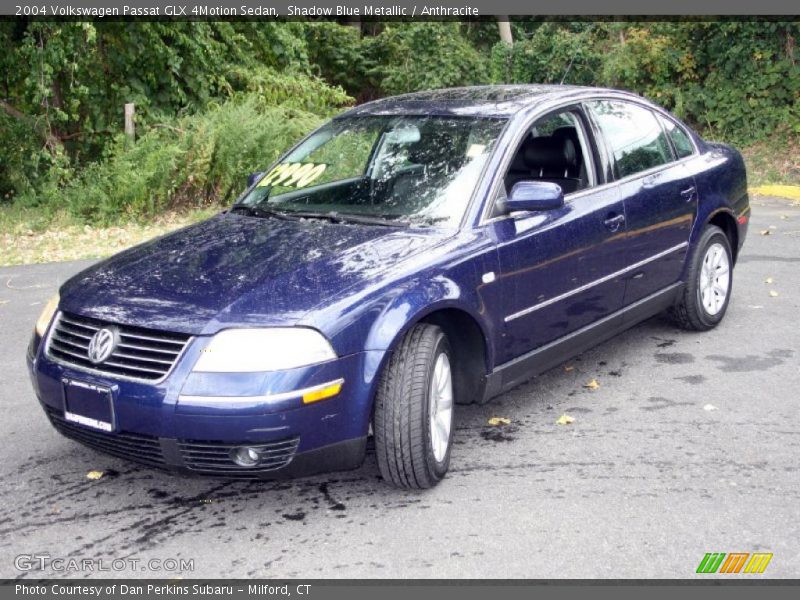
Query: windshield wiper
x,y
335,217
424,220
264,213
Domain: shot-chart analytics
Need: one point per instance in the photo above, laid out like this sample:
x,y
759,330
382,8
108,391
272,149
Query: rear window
x,y
633,136
679,138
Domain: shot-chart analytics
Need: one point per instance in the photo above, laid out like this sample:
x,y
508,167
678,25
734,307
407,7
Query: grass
x,y
26,239
773,162
31,235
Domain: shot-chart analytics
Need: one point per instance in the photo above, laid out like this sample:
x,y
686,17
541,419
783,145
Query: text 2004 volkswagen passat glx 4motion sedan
x,y
413,253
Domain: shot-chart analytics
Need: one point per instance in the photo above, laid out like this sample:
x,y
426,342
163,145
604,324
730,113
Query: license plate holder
x,y
89,405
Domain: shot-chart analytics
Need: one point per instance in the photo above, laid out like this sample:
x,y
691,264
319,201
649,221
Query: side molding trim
x,y
536,362
591,284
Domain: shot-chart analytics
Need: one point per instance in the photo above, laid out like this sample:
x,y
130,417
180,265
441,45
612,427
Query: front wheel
x,y
413,420
709,280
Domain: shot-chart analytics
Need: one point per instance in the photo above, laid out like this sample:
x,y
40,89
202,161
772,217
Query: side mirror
x,y
253,177
534,195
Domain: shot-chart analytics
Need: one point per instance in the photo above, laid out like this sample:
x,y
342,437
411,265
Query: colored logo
x,y
735,562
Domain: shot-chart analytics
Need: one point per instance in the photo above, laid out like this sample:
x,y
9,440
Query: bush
x,y
424,55
554,52
190,162
738,81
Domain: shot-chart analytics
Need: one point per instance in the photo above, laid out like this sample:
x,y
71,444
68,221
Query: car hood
x,y
238,270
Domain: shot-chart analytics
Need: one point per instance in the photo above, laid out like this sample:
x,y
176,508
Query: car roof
x,y
478,101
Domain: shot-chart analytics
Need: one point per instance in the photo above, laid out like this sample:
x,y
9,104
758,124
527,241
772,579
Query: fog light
x,y
245,456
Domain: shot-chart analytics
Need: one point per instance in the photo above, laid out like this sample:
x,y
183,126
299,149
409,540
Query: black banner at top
x,y
381,9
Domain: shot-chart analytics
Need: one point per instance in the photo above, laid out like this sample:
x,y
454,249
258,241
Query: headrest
x,y
569,133
549,153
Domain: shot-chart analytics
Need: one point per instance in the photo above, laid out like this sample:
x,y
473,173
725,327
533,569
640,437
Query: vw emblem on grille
x,y
102,345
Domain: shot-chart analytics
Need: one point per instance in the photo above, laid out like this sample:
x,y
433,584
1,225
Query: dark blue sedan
x,y
414,253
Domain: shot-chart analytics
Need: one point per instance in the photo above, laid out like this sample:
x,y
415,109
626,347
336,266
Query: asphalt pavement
x,y
690,444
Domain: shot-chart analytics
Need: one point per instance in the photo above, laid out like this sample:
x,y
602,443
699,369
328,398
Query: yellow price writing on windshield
x,y
293,175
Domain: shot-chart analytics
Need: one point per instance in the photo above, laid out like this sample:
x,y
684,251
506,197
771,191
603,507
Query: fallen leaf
x,y
94,475
565,420
499,421
765,232
784,217
769,280
773,294
709,407
592,385
569,368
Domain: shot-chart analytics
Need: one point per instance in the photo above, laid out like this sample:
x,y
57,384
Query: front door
x,y
558,267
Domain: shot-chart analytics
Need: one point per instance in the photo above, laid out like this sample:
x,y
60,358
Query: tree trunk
x,y
355,23
505,29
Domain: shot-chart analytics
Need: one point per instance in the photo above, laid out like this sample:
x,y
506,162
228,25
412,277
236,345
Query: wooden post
x,y
130,128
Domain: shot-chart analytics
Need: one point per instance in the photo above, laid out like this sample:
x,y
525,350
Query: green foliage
x,y
337,54
737,80
215,100
194,161
307,93
424,55
66,82
553,52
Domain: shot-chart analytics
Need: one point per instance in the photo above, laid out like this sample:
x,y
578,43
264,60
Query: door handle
x,y
688,193
615,222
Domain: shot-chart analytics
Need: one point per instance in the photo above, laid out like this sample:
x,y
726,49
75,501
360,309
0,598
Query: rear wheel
x,y
413,420
709,280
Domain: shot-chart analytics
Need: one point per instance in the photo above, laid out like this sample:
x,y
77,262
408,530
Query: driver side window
x,y
555,150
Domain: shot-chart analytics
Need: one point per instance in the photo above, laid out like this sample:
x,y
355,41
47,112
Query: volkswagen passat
x,y
413,253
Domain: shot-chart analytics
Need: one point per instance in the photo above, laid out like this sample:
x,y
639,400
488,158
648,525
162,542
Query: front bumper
x,y
192,422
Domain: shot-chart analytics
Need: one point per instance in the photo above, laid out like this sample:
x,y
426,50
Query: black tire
x,y
402,403
689,313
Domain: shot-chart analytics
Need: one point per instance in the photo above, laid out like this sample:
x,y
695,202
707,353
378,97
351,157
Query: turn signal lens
x,y
328,391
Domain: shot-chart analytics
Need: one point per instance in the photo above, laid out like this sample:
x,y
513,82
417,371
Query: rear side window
x,y
633,136
679,138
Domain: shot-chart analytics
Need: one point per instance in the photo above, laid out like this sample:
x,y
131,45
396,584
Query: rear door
x,y
658,191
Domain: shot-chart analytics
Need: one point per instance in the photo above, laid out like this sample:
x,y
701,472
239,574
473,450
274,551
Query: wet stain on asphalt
x,y
674,358
499,434
751,363
767,258
333,504
158,494
663,343
692,379
660,403
298,516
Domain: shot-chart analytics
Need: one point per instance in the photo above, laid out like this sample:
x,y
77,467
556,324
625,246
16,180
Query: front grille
x,y
139,448
213,458
141,353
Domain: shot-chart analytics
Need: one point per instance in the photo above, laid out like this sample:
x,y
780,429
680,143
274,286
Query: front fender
x,y
420,300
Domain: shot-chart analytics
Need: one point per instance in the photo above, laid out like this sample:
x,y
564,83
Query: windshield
x,y
418,170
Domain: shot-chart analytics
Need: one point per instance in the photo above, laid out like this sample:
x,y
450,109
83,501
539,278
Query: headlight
x,y
268,349
47,315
